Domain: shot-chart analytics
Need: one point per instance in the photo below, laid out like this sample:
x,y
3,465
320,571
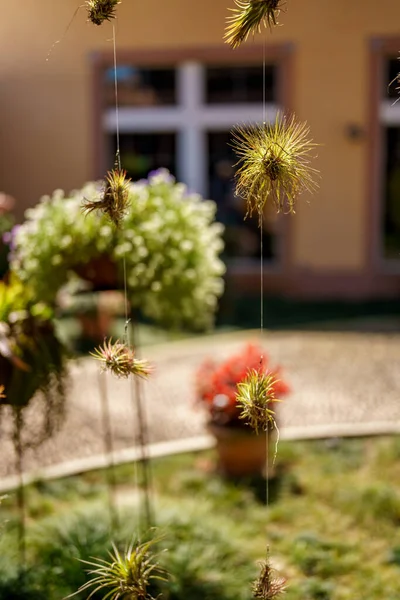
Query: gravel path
x,y
335,377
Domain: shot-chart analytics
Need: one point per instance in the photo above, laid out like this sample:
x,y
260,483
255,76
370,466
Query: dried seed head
x,y
119,359
254,397
101,10
274,163
268,586
115,198
248,17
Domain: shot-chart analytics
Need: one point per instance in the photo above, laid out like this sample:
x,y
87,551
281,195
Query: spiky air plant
x,y
101,10
114,201
274,163
126,576
255,395
120,359
248,17
268,585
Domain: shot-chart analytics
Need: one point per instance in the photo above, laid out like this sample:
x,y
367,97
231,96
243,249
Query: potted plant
x,y
241,451
31,357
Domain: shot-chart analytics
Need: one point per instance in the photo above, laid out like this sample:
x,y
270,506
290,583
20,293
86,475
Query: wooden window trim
x,y
380,48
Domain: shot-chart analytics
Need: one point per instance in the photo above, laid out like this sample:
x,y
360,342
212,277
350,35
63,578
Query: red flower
x,y
216,383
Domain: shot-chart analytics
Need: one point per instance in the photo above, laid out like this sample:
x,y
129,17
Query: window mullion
x,y
192,164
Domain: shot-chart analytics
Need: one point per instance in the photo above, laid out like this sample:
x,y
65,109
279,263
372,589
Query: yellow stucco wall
x,y
45,106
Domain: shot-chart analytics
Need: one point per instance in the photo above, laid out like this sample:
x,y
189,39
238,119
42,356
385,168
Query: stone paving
x,y
336,378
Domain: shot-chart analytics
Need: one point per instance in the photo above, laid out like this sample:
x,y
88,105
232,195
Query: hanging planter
x,y
31,362
32,359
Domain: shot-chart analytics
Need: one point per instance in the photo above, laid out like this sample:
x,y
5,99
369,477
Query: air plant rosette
x,y
241,451
114,200
126,575
217,384
101,10
248,17
119,359
269,585
274,164
255,396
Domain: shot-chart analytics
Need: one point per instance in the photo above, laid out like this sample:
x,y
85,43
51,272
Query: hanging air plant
x,y
115,198
248,17
254,397
119,359
268,586
101,10
126,575
274,161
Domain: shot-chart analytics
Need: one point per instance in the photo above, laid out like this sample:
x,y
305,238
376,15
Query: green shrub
x,y
168,240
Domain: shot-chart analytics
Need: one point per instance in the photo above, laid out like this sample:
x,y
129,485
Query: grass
x,y
332,525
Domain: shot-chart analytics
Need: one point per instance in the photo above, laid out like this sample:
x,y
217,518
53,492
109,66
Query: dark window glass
x,y
142,153
240,84
392,85
392,195
140,87
242,236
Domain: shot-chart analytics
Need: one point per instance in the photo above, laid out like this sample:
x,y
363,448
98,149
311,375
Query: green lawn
x,y
332,525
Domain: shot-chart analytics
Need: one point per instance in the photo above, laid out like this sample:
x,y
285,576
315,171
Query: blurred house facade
x,y
181,90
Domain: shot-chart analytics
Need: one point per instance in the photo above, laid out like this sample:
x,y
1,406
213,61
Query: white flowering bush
x,y
169,240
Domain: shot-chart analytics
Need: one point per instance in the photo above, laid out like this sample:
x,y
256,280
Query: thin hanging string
x,y
127,319
118,155
126,304
18,422
64,34
109,453
118,165
262,272
262,215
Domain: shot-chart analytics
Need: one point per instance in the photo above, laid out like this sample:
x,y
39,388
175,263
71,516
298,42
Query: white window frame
x,y
191,119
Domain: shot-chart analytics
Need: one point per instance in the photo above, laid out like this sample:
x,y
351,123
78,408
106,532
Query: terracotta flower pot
x,y
101,272
241,452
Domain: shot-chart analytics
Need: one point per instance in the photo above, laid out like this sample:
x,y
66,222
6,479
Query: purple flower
x,y
9,237
162,175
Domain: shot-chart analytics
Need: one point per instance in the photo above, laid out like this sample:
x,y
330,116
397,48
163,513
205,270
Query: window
x,y
140,87
231,85
390,121
145,152
180,117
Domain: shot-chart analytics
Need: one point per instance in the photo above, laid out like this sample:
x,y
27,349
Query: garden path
x,y
340,382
